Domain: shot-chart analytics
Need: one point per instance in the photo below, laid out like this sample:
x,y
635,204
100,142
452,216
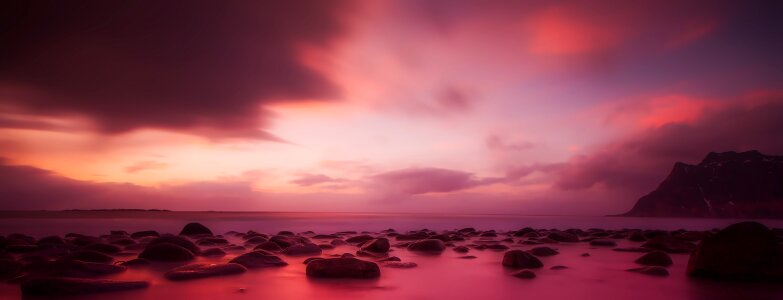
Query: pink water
x,y
599,276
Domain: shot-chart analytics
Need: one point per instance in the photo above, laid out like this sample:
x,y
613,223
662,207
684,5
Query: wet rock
x,y
412,237
461,249
176,240
338,242
166,252
212,241
195,271
651,270
258,259
140,234
742,251
72,268
392,258
325,236
195,229
637,236
91,256
603,243
359,239
234,248
213,252
379,245
343,268
268,246
496,247
326,246
558,267
427,246
21,248
585,255
524,274
54,240
562,236
308,260
257,240
302,249
123,241
135,262
669,245
47,286
467,257
520,259
543,251
655,258
103,248
400,265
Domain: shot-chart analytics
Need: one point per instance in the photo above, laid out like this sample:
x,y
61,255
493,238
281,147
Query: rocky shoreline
x,y
79,264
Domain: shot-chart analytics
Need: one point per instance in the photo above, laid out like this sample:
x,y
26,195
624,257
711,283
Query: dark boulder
x,y
213,252
9,268
104,248
651,270
90,256
176,240
400,265
195,271
562,236
543,251
521,260
140,234
195,229
258,259
343,268
743,251
46,286
461,249
359,239
379,245
603,243
307,249
268,246
166,252
427,246
655,258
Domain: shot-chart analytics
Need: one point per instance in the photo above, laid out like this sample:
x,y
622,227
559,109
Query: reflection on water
x,y
602,275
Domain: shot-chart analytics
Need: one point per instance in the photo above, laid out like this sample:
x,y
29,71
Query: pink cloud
x,y
314,179
416,181
145,165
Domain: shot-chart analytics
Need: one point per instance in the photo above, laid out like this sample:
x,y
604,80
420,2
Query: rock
x,y
213,252
47,286
655,258
400,265
72,268
123,241
359,239
103,248
195,271
325,236
427,246
392,258
524,274
302,250
637,236
234,248
379,245
742,251
195,229
140,234
176,240
258,259
651,270
669,245
257,240
562,236
308,260
52,240
268,246
91,256
543,251
343,268
585,255
558,267
412,237
212,241
496,247
326,246
520,259
603,243
461,249
135,262
166,252
467,257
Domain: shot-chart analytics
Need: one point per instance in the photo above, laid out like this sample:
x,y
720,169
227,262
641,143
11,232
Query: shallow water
x,y
599,276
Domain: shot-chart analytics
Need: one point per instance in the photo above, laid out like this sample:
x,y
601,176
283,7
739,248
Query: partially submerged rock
x,y
258,259
306,249
343,268
195,271
428,246
655,258
651,270
195,229
543,251
520,259
379,245
166,252
743,251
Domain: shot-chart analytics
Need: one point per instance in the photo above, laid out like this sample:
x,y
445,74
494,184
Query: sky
x,y
502,107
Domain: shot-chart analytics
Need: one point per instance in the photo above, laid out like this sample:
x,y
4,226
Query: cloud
x,y
417,181
640,161
207,68
495,142
145,165
314,179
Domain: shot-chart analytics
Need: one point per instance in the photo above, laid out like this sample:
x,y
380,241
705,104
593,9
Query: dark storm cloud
x,y
201,66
